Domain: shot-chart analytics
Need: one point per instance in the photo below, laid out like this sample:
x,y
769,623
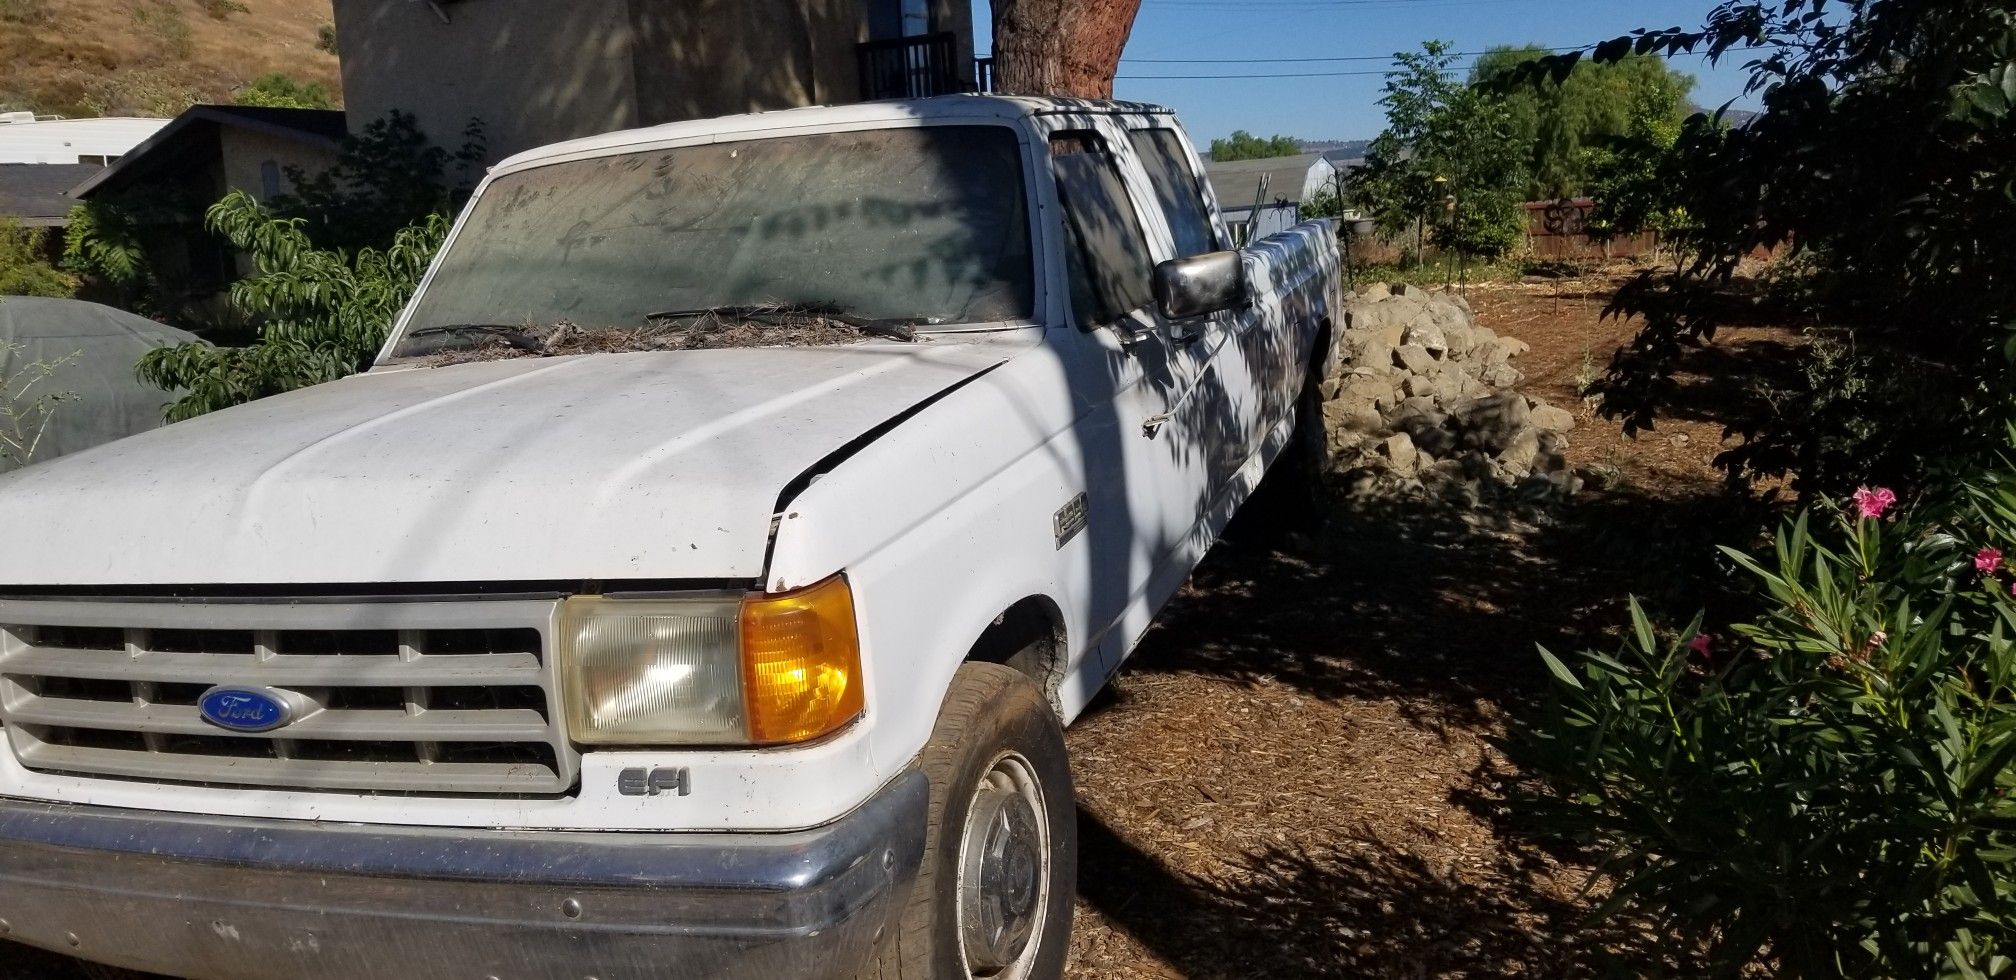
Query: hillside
x,y
153,57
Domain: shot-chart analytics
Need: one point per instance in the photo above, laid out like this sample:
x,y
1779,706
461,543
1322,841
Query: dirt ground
x,y
1295,775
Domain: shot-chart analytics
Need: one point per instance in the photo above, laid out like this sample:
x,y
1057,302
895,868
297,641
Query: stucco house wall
x,y
562,69
539,71
245,155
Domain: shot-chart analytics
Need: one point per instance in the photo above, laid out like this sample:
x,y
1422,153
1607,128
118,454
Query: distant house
x,y
172,179
27,138
37,195
1265,196
537,72
42,158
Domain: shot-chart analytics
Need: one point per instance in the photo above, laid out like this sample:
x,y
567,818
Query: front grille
x,y
452,698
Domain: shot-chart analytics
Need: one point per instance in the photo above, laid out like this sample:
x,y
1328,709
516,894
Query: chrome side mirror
x,y
1200,285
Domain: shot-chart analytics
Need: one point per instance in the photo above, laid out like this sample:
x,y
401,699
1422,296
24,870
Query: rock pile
x,y
1419,399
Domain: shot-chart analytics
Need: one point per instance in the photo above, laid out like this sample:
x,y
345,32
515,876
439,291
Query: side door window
x,y
1105,248
1177,190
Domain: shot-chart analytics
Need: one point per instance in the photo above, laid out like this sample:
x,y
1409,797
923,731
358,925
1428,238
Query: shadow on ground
x,y
1423,610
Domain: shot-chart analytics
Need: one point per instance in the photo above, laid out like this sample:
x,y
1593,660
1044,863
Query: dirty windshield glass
x,y
922,226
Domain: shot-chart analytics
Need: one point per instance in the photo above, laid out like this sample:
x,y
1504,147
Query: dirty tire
x,y
990,710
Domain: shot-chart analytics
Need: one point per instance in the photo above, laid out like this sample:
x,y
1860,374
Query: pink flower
x,y
1870,504
1702,643
1987,560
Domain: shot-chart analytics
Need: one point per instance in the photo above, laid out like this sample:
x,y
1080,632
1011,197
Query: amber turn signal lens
x,y
801,663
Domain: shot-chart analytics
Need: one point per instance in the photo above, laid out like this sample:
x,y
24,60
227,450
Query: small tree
x,y
1633,177
1242,145
1449,159
324,312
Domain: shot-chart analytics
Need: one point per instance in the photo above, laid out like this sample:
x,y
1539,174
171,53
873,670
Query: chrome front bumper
x,y
234,899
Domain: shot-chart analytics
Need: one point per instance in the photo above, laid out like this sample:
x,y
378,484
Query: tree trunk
x,y
1060,47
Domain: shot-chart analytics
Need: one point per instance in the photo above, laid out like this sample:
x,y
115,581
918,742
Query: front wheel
x,y
993,896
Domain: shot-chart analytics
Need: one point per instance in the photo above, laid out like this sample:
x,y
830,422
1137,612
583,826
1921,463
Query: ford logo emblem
x,y
245,709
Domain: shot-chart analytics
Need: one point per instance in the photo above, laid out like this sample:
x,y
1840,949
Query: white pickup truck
x,y
698,584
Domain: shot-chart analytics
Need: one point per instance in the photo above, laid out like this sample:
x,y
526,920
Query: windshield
x,y
922,225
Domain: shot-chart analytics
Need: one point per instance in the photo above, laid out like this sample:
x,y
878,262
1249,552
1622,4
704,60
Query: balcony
x,y
915,67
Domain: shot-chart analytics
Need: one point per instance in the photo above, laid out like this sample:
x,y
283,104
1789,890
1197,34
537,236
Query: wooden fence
x,y
1558,231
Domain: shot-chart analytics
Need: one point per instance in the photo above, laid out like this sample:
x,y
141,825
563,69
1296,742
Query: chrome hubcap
x,y
1004,864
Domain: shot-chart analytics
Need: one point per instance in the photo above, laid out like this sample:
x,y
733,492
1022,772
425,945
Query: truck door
x,y
1219,415
1147,484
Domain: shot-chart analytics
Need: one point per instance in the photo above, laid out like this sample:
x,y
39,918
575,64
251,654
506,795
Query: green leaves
x,y
1826,788
324,313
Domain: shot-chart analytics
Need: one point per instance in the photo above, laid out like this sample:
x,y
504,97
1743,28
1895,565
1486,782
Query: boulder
x,y
1520,452
1492,423
1410,407
1345,417
1459,338
1399,451
1375,393
1427,335
1376,356
1449,388
1415,358
1375,292
1435,440
1503,376
1553,419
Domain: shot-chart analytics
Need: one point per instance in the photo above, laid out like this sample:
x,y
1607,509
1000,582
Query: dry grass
x,y
153,57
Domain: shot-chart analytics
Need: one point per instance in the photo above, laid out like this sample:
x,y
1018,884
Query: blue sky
x,y
1192,38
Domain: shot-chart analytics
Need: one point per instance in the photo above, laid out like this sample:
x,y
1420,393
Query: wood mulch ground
x,y
1295,775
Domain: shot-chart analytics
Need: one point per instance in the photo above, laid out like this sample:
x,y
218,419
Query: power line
x,y
1351,74
1354,57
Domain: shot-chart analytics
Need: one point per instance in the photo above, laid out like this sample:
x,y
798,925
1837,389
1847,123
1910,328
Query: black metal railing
x,y
914,67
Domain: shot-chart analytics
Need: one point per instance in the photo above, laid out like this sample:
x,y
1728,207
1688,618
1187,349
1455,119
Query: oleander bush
x,y
1823,790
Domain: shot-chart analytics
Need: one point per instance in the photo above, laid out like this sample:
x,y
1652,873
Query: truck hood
x,y
606,467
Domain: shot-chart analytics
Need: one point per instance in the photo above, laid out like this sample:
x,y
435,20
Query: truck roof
x,y
944,108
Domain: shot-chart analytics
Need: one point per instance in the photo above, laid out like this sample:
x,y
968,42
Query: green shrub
x,y
279,90
323,313
24,266
1823,789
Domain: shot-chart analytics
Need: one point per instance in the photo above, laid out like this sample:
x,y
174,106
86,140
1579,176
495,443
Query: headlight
x,y
763,670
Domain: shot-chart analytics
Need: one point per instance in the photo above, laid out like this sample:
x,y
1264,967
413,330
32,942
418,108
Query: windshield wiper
x,y
894,328
510,336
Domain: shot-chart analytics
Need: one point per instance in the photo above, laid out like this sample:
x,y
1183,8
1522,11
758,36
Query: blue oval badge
x,y
245,709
